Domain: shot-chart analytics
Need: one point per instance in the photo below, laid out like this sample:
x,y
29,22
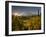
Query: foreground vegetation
x,y
26,22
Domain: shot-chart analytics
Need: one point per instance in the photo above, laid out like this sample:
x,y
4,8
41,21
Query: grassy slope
x,y
26,23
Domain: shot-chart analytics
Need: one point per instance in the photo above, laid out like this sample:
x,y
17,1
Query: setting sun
x,y
17,14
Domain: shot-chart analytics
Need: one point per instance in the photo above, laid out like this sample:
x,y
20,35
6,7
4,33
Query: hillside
x,y
26,22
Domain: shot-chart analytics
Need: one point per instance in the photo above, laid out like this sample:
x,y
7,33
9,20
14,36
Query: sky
x,y
25,11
